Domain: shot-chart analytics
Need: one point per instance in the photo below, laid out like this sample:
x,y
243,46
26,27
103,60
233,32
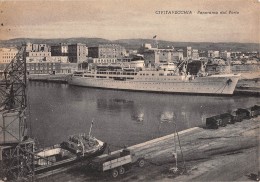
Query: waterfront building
x,y
217,61
131,52
101,60
155,56
68,68
37,47
225,55
40,60
210,53
59,49
151,57
216,54
147,46
7,54
213,54
37,52
236,62
165,55
107,51
203,54
177,55
38,56
243,56
42,67
195,54
77,53
253,54
236,54
61,59
48,67
187,52
251,61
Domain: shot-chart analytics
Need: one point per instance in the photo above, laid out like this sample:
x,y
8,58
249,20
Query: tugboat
x,y
84,145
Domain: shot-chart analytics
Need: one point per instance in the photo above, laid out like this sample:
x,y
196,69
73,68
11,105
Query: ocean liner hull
x,y
213,85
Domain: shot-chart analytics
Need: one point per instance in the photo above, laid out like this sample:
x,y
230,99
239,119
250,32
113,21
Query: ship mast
x,y
92,122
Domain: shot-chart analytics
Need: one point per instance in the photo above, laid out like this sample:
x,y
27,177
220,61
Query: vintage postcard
x,y
129,90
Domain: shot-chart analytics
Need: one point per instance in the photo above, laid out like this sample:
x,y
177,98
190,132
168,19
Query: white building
x,y
195,54
101,60
225,55
218,62
7,54
37,47
61,59
213,54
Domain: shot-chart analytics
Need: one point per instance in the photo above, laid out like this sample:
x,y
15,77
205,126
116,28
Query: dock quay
x,y
247,91
248,86
58,78
208,155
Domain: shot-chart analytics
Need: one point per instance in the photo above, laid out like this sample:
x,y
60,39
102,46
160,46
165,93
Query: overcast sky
x,y
124,19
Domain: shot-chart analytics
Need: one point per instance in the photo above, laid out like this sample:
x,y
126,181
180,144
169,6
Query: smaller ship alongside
x,y
77,147
83,144
50,155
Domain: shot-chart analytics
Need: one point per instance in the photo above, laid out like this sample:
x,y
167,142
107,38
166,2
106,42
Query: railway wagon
x,y
255,111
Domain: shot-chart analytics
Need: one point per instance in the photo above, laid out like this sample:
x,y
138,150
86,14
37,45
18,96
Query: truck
x,y
117,164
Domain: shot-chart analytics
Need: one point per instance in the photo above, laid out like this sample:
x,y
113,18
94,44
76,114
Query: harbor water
x,y
120,117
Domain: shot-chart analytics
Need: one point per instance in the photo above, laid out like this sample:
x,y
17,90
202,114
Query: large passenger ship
x,y
168,78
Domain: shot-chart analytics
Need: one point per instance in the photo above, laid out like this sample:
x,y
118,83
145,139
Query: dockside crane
x,y
16,148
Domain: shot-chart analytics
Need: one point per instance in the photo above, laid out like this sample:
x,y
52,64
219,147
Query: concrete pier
x,y
207,153
58,78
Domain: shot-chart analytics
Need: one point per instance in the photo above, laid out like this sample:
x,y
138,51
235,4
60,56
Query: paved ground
x,y
226,154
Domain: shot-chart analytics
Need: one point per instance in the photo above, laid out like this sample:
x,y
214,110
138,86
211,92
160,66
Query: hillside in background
x,y
88,41
136,43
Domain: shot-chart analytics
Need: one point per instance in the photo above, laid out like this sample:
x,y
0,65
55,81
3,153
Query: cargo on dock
x,y
117,163
217,121
255,111
227,117
238,115
241,114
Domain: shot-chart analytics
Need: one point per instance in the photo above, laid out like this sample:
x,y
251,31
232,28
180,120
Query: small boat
x,y
83,144
50,155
